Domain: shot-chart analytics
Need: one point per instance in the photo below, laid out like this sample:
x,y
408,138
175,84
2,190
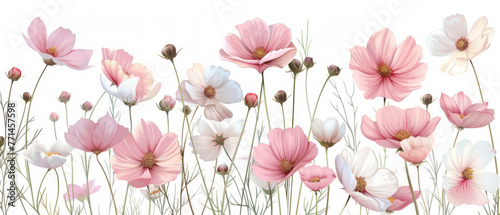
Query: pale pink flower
x,y
288,151
402,198
147,157
461,112
51,158
416,149
383,69
317,178
454,40
64,97
96,137
58,48
210,87
367,184
260,47
80,193
215,137
466,180
395,124
166,104
53,117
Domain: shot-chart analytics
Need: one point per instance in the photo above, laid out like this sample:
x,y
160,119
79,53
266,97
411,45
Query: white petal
x,y
126,90
455,65
370,202
229,93
439,44
195,75
454,159
485,181
476,32
215,76
217,112
330,129
451,179
455,26
481,155
317,129
344,174
382,184
152,93
364,163
105,85
340,133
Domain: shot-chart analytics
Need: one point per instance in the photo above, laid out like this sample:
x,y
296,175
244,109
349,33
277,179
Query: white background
x,y
198,27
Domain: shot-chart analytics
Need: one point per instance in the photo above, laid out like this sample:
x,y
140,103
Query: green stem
x,y
307,95
316,106
345,205
270,196
234,157
411,188
283,112
293,103
265,101
316,194
279,201
298,199
8,102
328,192
149,193
130,116
125,199
57,197
38,193
55,133
66,108
109,184
29,107
211,187
168,123
92,112
67,190
421,192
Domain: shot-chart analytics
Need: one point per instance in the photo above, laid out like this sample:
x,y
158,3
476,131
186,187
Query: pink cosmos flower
x,y
367,184
316,178
402,198
416,149
80,193
466,180
383,69
96,137
395,124
462,113
260,47
147,157
288,151
58,48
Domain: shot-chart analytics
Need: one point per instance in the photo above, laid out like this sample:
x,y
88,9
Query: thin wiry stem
x,y
411,188
109,184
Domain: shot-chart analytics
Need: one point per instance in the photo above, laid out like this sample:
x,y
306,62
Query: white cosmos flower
x,y
153,193
210,88
129,91
38,155
455,40
367,184
210,140
329,132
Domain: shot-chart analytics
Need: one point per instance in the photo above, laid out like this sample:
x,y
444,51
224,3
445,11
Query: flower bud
x,y
222,169
169,52
186,110
295,66
64,97
280,97
426,99
54,117
166,104
333,70
14,74
308,62
86,106
251,100
2,141
27,97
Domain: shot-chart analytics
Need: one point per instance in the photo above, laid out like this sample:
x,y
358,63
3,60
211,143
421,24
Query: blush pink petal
x,y
462,101
254,33
77,59
107,133
466,193
477,120
63,39
402,198
382,46
324,174
37,35
390,120
235,47
280,37
408,55
217,112
462,113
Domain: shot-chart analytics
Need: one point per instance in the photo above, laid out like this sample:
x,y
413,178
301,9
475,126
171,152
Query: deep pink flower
x,y
14,74
96,137
147,157
251,100
416,149
80,193
260,47
288,151
316,178
58,48
383,69
462,113
402,198
395,124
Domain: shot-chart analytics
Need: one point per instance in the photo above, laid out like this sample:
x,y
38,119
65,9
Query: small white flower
x,y
210,87
128,90
264,185
153,194
367,184
329,132
455,40
211,139
54,157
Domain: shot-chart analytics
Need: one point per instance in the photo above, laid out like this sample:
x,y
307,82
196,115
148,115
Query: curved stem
x,y
328,192
298,199
316,107
270,196
411,188
39,188
234,156
293,103
29,107
265,101
92,112
57,197
456,137
66,108
109,184
421,192
211,187
345,205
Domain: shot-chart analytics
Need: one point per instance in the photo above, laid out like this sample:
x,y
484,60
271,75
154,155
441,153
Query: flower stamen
x,y
461,44
384,70
148,160
285,166
392,199
315,179
51,153
53,51
467,173
462,116
259,53
210,92
402,135
360,184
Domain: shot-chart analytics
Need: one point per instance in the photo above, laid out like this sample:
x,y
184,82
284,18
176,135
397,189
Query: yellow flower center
x,y
149,160
462,116
53,51
402,135
392,199
384,70
360,184
155,192
461,44
315,179
259,53
467,173
51,153
210,91
285,166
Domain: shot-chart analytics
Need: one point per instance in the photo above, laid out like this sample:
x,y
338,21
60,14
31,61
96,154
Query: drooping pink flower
x,y
80,193
96,137
461,112
416,149
316,178
402,198
58,48
260,47
147,157
466,180
288,151
395,124
383,69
